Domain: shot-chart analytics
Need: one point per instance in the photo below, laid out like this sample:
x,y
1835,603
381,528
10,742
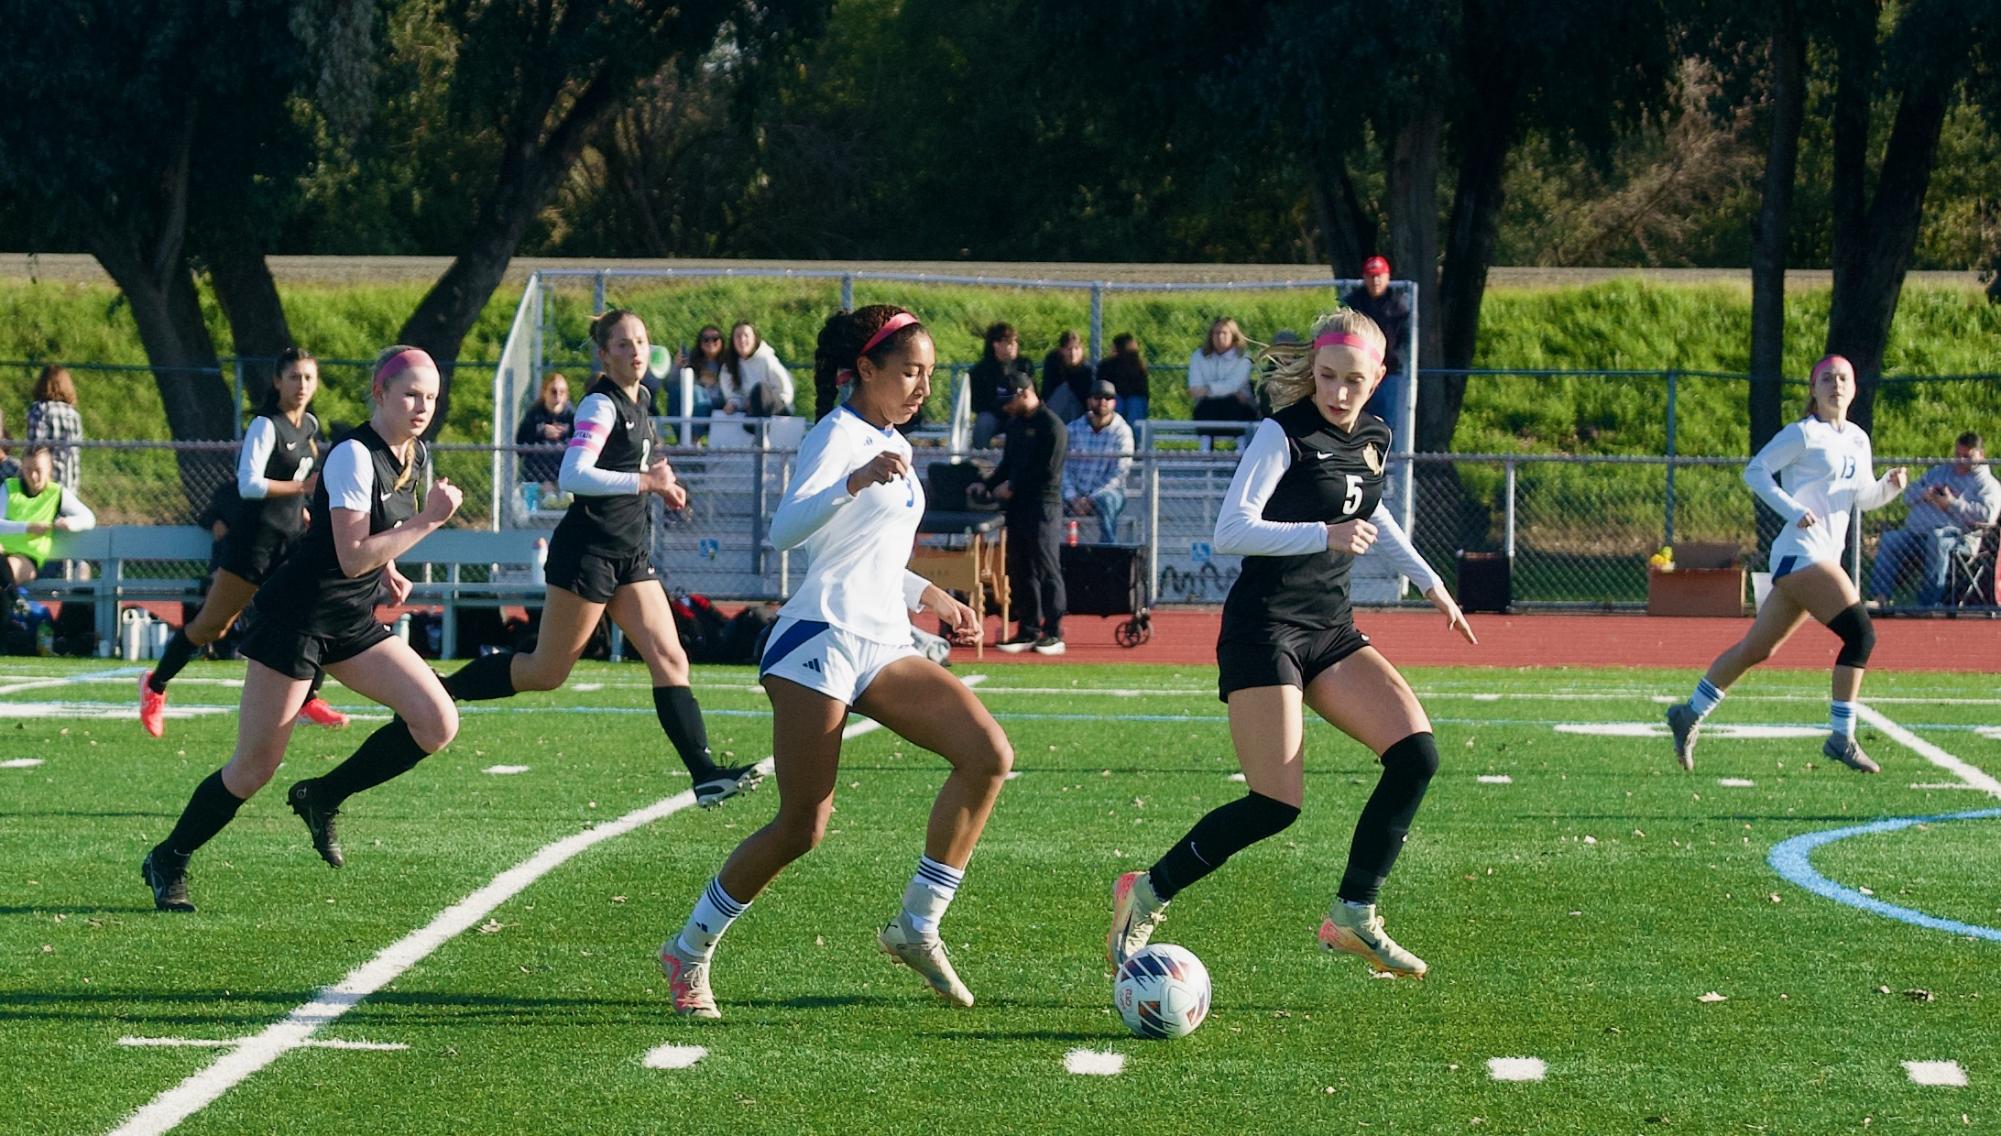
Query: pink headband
x,y
402,361
1827,361
1348,339
896,323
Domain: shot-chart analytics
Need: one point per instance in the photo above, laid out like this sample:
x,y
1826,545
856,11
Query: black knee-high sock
x,y
1379,832
386,753
681,716
209,811
487,677
178,651
1223,833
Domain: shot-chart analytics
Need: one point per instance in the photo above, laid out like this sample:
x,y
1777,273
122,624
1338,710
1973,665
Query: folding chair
x,y
1969,572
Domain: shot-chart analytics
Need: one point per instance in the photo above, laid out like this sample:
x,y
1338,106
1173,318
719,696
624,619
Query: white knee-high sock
x,y
929,894
713,914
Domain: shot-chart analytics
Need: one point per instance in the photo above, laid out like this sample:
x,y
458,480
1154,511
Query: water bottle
x,y
531,494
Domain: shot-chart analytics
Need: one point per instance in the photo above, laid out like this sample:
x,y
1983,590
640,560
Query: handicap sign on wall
x,y
708,547
1200,552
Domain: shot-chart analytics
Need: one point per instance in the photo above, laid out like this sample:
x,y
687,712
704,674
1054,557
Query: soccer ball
x,y
1162,992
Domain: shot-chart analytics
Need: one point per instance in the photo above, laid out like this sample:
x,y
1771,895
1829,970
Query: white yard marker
x,y
1516,1068
503,770
1735,782
1237,777
1944,785
92,676
1495,779
1973,776
587,687
673,1056
1094,1063
1936,1073
203,1087
20,763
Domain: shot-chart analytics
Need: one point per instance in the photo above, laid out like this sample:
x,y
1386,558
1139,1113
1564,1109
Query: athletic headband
x,y
404,360
1348,339
896,323
1827,362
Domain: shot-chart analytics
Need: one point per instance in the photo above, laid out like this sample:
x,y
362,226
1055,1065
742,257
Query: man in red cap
x,y
1391,311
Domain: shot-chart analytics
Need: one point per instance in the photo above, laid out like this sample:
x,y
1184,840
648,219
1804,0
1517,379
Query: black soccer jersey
x,y
274,450
309,591
1332,475
619,433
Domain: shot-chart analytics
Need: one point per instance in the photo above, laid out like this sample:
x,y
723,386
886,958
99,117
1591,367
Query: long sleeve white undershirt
x,y
580,474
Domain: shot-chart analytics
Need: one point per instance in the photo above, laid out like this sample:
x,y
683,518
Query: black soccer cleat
x,y
319,821
170,888
726,783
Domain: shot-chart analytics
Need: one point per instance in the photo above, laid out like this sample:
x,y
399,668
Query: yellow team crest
x,y
1371,458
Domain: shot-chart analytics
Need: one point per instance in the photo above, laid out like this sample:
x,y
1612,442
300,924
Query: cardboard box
x,y
1708,579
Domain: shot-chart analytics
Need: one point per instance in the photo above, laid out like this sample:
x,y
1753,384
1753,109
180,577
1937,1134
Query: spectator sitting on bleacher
x,y
53,418
1951,505
1066,376
1101,454
1125,369
1000,361
1219,378
548,422
755,383
32,511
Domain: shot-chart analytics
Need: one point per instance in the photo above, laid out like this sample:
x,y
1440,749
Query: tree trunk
x,y
1771,232
531,167
248,295
1772,228
1347,229
1873,244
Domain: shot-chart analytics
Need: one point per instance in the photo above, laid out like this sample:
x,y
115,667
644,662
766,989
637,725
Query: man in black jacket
x,y
1391,311
1029,484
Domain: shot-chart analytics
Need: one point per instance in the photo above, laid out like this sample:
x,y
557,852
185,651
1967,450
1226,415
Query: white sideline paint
x,y
1735,782
1094,1063
1991,732
20,763
591,687
1972,775
91,676
1495,779
673,1056
503,770
98,711
1660,730
203,1087
1944,785
227,1042
1946,1073
1516,1068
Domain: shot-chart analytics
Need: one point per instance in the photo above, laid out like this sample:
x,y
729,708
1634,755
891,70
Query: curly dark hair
x,y
840,347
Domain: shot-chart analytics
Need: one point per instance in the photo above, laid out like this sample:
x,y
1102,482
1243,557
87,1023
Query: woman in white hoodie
x,y
755,383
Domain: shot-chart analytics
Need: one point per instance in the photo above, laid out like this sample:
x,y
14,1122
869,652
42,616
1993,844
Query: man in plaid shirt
x,y
1101,451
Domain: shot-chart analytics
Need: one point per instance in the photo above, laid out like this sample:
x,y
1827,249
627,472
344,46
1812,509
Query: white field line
x,y
673,1056
1972,775
503,770
205,1086
1093,1063
1735,782
1495,779
1940,785
20,763
1516,1068
66,680
1947,1073
227,1042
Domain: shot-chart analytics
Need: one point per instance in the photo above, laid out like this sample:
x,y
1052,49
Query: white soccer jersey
x,y
1816,467
859,578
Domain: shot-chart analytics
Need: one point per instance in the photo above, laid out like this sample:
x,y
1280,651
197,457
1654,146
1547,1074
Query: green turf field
x,y
1577,914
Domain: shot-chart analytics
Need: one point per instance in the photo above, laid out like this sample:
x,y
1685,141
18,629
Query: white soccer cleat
x,y
1136,912
927,957
1359,931
687,982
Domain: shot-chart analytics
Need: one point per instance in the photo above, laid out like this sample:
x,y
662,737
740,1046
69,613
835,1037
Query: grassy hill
x,y
1621,325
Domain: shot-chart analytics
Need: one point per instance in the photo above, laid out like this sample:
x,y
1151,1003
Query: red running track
x,y
1187,637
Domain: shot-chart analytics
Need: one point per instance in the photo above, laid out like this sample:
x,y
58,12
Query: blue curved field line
x,y
1789,858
